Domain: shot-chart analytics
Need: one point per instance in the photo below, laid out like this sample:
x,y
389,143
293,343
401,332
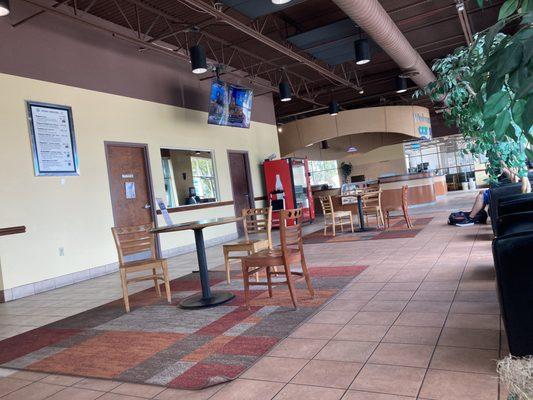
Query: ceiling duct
x,y
374,20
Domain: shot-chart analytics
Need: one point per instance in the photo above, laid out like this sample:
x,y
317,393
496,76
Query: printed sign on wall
x,y
52,139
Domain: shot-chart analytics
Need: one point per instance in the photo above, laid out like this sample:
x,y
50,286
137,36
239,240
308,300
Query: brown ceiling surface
x,y
431,26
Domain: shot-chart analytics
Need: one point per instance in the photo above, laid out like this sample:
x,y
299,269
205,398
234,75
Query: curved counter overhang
x,y
393,124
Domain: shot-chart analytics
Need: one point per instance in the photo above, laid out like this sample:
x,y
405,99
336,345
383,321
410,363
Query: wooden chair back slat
x,y
290,230
134,239
327,205
257,220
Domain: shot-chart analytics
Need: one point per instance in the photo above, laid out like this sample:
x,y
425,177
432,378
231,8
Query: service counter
x,y
424,188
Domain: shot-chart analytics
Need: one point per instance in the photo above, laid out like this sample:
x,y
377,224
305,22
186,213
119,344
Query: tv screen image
x,y
230,105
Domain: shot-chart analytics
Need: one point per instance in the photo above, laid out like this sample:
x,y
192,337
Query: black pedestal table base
x,y
206,298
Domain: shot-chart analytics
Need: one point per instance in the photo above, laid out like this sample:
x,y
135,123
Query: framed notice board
x,y
52,139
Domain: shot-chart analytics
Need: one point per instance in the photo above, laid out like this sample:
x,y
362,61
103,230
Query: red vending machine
x,y
288,186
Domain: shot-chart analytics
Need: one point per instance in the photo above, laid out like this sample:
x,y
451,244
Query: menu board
x,y
52,138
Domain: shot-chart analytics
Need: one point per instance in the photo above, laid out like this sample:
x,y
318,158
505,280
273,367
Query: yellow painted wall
x,y
78,214
383,160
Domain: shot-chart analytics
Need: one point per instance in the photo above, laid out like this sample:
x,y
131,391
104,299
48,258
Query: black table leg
x,y
360,212
207,298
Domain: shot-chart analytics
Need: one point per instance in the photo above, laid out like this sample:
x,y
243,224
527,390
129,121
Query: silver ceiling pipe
x,y
374,20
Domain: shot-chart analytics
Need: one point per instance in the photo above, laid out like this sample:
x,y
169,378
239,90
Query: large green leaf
x,y
525,88
495,104
491,34
494,84
527,116
508,8
518,110
502,123
509,58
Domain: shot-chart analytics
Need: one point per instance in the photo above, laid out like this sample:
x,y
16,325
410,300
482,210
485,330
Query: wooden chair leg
x,y
257,273
341,222
333,225
164,266
305,271
290,284
227,265
246,284
269,281
125,289
351,221
325,226
156,282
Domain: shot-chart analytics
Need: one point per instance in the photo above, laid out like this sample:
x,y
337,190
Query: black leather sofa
x,y
511,215
513,260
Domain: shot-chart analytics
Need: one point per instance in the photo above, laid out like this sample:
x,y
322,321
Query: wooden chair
x,y
135,240
372,206
290,252
255,220
333,218
404,207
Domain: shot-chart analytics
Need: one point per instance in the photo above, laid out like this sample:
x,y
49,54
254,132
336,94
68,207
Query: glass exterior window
x,y
203,177
324,173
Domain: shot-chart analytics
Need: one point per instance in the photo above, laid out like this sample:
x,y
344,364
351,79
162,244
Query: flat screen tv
x,y
230,105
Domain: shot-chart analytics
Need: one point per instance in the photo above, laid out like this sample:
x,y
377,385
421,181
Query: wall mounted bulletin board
x,y
52,139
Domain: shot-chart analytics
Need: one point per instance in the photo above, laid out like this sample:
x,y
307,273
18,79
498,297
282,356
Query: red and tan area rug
x,y
397,230
161,344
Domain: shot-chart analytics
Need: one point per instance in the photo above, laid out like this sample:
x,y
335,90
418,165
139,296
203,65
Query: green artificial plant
x,y
486,90
346,169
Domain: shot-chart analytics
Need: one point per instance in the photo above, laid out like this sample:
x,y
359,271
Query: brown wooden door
x,y
129,182
241,184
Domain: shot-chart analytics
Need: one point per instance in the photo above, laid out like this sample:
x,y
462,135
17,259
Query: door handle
x,y
147,206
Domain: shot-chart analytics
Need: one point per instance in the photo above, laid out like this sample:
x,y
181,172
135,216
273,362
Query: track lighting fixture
x,y
4,8
401,85
362,51
198,59
284,91
333,108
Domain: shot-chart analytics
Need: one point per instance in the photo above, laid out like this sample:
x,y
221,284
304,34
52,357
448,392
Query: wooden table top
x,y
200,224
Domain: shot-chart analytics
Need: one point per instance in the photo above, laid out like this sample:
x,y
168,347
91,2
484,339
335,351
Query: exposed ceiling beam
x,y
236,24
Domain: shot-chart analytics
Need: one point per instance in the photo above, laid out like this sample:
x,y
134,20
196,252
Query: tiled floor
x,y
422,322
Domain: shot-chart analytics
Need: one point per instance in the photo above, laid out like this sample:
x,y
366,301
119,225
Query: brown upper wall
x,y
54,49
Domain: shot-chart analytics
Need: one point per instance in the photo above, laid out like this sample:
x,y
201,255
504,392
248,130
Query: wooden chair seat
x,y
255,220
273,257
135,240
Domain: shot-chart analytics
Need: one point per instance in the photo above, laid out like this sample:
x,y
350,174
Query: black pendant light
x,y
401,84
198,59
333,108
284,91
362,51
4,8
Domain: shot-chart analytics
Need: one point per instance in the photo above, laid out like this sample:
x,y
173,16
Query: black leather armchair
x,y
513,261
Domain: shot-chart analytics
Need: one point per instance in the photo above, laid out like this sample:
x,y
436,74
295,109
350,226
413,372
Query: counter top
x,y
407,177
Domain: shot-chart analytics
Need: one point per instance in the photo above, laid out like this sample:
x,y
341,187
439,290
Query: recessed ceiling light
x,y
361,91
4,8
